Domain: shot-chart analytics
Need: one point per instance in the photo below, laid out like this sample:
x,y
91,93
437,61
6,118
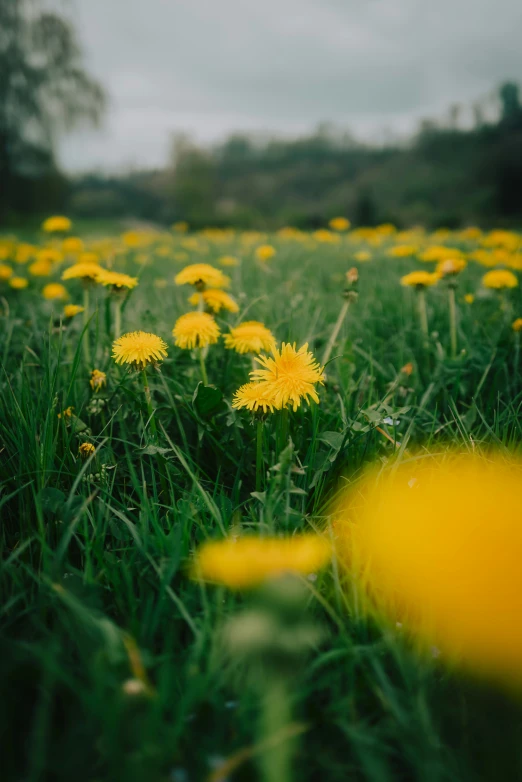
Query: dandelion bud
x,y
86,449
352,275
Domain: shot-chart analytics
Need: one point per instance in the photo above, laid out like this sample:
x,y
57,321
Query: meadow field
x,y
181,600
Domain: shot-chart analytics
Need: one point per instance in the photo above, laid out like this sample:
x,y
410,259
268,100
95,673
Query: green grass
x,y
94,552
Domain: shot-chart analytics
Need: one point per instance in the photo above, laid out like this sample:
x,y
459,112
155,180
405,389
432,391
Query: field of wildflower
x,y
261,507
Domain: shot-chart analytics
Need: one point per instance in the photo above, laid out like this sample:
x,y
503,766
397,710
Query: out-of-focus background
x,y
262,114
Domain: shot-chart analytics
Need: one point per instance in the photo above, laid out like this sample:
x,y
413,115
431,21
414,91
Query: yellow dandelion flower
x,y
18,283
72,245
139,348
517,324
201,275
89,257
5,271
57,224
86,449
265,252
440,545
41,268
228,260
50,255
215,300
450,267
250,337
469,298
402,251
70,310
98,380
24,252
339,224
419,279
195,329
326,237
67,413
362,256
292,375
180,227
116,280
54,291
254,397
248,562
499,279
82,271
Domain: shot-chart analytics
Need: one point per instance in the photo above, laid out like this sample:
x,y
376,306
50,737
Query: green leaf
x,y
153,450
52,500
207,400
333,439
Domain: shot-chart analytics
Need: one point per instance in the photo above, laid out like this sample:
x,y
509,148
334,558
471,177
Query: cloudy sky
x,y
213,66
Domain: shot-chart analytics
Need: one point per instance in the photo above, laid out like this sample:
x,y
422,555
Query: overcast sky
x,y
214,66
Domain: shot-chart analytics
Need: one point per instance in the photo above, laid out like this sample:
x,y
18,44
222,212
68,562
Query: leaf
x,y
333,439
153,450
52,500
207,400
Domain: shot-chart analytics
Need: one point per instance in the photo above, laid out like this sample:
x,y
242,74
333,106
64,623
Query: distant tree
x,y
43,89
509,94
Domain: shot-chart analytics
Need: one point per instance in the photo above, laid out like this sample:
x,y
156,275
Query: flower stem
x,y
259,454
276,758
453,321
335,331
423,312
204,376
148,400
117,318
86,345
283,429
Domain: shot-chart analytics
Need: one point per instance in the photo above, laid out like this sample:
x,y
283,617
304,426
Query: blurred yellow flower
x,y
291,375
500,278
139,348
18,283
362,255
40,268
54,290
419,279
82,271
517,324
181,227
200,275
24,252
326,237
248,562
195,329
250,337
339,224
160,283
72,245
86,449
70,310
228,260
115,279
57,224
450,266
254,397
98,380
402,251
264,252
215,300
469,298
67,413
438,546
5,271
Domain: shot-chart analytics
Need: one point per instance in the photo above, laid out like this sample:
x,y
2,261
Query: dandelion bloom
x,y
499,279
86,270
254,397
450,266
439,546
116,279
70,310
72,245
195,329
291,375
54,291
5,271
86,449
250,337
18,283
98,380
402,251
325,237
49,254
469,298
67,413
40,268
201,275
517,324
419,279
265,252
228,260
215,300
362,255
57,224
248,562
139,348
181,227
339,224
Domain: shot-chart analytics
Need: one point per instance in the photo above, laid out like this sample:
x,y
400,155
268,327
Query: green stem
x,y
453,321
335,331
423,312
86,344
203,367
276,758
117,317
148,400
283,429
259,454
